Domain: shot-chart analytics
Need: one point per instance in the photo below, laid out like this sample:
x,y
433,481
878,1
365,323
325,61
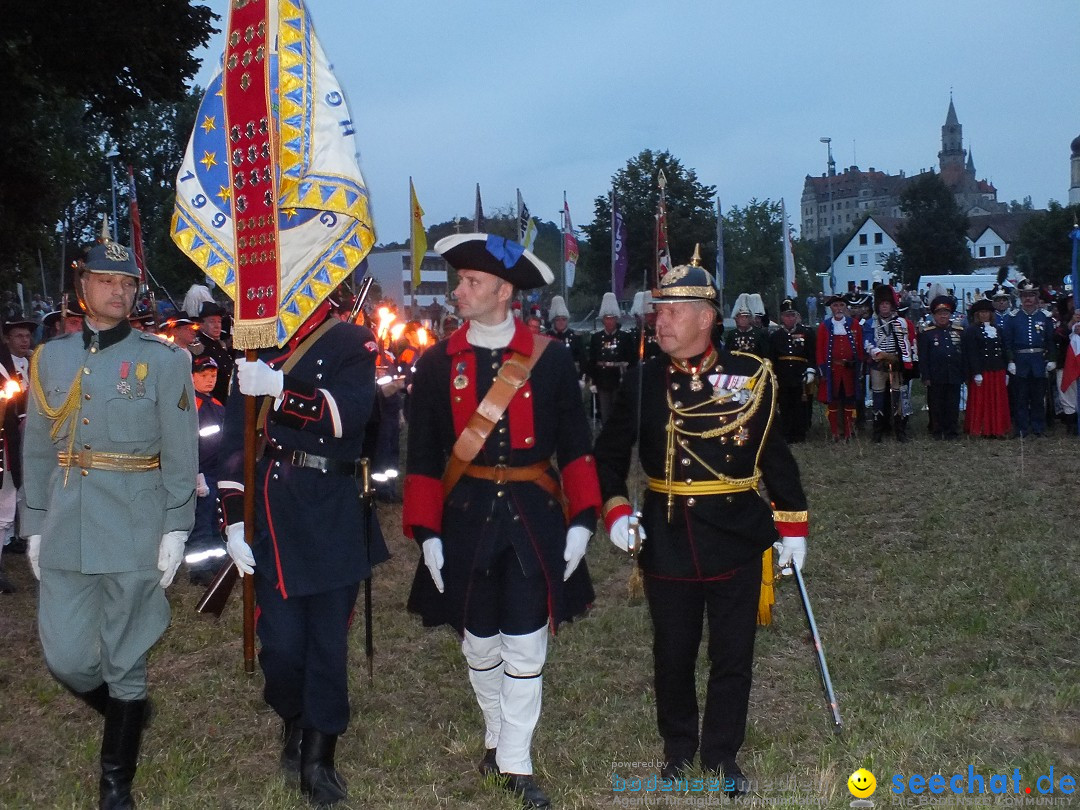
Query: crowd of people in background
x,y
997,367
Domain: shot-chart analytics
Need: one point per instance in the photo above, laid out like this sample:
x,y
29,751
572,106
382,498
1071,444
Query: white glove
x,y
1011,368
238,548
33,551
592,389
620,533
577,543
978,379
170,555
258,379
1051,366
792,551
990,330
433,559
201,487
808,377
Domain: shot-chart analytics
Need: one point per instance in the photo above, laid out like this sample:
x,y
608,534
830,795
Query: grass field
x,y
945,580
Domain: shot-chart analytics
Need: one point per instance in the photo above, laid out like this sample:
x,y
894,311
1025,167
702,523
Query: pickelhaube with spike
x,y
110,257
687,282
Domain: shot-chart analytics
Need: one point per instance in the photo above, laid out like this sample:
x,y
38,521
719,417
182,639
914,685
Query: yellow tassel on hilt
x,y
767,597
635,587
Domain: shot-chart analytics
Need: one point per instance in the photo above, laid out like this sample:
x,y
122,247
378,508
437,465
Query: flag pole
x,y
564,226
412,254
611,201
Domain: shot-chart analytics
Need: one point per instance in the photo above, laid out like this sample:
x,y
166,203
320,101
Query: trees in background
x,y
82,79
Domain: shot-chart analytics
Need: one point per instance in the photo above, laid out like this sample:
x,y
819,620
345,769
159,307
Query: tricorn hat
x,y
832,299
29,323
210,309
178,319
495,255
557,308
982,305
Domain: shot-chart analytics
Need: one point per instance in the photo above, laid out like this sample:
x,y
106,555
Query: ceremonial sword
x,y
823,667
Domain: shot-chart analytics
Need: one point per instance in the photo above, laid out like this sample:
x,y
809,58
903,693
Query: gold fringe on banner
x,y
255,334
767,597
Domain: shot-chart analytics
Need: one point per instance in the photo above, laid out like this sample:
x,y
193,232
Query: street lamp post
x,y
828,183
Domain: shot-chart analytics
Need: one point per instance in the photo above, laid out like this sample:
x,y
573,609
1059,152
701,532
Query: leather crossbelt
x,y
298,458
510,378
536,473
114,462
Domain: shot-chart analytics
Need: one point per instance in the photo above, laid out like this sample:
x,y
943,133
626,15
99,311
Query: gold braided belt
x,y
115,462
716,486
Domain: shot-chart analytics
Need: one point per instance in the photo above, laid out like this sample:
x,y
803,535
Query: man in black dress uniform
x,y
502,536
612,350
794,357
705,441
941,366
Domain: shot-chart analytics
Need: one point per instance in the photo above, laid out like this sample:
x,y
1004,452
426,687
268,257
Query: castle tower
x,y
952,143
1074,187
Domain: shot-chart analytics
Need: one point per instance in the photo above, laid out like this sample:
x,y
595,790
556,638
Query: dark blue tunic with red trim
x,y
480,519
312,535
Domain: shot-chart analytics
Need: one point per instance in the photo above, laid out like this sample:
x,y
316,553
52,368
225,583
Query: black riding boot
x,y
880,423
319,780
900,428
120,752
291,735
97,698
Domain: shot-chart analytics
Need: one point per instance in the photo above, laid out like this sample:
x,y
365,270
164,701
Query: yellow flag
x,y
419,236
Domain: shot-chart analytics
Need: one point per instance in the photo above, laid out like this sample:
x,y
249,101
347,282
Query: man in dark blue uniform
x,y
204,545
794,357
560,330
611,351
313,542
705,439
1029,339
746,337
503,534
941,366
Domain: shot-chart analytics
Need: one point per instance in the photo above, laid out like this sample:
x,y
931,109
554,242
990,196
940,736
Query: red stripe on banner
x,y
252,169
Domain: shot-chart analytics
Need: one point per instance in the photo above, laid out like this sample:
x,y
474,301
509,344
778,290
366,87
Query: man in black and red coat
x,y
502,531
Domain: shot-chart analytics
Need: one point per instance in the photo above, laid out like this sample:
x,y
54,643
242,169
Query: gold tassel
x,y
255,334
635,586
767,597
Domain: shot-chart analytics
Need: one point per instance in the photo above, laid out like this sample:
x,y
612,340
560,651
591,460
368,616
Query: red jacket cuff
x,y
423,504
581,485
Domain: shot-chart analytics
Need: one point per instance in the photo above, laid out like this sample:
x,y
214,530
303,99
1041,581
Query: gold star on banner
x,y
208,123
224,192
289,212
209,159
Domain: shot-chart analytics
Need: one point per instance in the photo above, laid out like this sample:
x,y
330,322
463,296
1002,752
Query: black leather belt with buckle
x,y
298,458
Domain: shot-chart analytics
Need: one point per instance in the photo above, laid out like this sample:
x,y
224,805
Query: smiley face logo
x,y
862,784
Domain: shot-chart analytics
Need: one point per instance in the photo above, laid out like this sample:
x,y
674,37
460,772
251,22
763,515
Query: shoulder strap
x,y
512,375
294,358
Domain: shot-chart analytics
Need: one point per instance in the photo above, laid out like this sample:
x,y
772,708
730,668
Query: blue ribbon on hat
x,y
505,250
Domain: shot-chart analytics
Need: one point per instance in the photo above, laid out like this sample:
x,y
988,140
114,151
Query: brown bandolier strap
x,y
115,462
511,377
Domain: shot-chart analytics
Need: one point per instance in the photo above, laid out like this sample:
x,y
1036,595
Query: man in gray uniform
x,y
110,462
